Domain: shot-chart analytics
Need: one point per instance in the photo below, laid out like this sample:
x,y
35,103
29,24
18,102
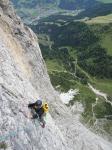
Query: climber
x,y
39,111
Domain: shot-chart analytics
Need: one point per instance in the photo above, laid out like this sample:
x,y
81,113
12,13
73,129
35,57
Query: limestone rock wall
x,y
23,79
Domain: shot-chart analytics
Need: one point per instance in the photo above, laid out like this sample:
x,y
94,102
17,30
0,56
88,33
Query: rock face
x,y
23,79
4,2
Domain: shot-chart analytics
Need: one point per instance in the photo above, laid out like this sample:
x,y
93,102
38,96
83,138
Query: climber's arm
x,y
31,105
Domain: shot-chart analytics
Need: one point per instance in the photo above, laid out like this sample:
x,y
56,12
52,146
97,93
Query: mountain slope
x,y
23,79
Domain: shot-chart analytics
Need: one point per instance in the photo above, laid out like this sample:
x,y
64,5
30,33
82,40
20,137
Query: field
x,y
105,1
104,86
101,19
102,26
107,43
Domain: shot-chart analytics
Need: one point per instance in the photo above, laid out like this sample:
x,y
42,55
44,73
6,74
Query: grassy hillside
x,y
67,41
85,41
100,20
104,32
102,26
106,42
76,54
105,1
